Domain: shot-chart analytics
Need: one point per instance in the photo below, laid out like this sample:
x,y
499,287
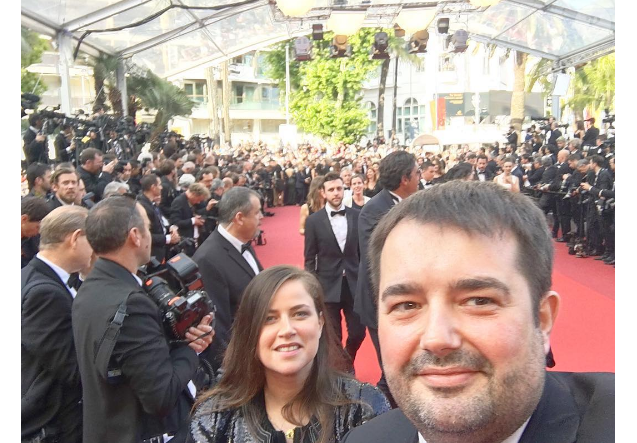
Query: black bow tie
x,y
481,172
345,188
341,212
429,183
74,281
245,247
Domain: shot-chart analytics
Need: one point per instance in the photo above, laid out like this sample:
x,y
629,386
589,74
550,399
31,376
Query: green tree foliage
x,y
326,92
32,47
594,86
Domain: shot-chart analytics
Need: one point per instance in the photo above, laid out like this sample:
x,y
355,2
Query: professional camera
x,y
610,118
189,305
185,246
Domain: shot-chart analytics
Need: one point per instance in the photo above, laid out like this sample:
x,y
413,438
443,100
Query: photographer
x,y
591,133
35,144
136,385
93,172
600,181
64,146
184,212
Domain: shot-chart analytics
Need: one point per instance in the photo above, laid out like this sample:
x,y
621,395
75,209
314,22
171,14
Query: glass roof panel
x,y
595,8
179,52
497,18
63,11
553,35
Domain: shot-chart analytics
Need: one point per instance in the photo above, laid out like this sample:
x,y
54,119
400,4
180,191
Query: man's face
x,y
156,191
45,180
66,188
412,184
461,352
29,228
145,239
473,161
572,164
333,192
206,180
194,199
95,166
346,175
179,163
561,144
128,169
81,192
428,173
481,164
252,220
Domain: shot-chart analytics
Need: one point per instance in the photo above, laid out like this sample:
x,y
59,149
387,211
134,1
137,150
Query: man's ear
x,y
24,218
74,236
135,236
548,310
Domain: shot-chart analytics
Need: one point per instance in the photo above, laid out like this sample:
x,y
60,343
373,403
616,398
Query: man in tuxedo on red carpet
x,y
331,253
227,261
399,179
465,326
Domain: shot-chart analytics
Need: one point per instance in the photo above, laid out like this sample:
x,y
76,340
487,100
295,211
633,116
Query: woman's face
x,y
371,174
357,185
507,167
290,335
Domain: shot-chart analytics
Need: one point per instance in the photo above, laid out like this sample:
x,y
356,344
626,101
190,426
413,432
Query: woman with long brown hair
x,y
371,183
315,201
280,383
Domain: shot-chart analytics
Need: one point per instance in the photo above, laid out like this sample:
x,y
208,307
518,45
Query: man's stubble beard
x,y
489,416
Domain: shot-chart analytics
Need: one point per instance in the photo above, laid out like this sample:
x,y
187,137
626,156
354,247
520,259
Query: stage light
x,y
412,20
459,40
418,42
317,32
302,49
443,26
398,31
295,8
339,47
381,43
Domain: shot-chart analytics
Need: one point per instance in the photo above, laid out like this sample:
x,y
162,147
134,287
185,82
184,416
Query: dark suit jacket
x,y
372,212
95,183
35,151
155,376
168,194
575,407
225,274
181,214
158,245
51,388
519,173
535,175
555,134
488,175
61,143
323,255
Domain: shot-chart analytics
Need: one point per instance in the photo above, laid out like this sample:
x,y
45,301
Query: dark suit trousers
x,y
355,329
564,212
382,383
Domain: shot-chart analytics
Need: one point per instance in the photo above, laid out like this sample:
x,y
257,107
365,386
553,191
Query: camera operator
x,y
601,180
95,174
167,172
35,145
591,133
547,198
606,203
118,146
555,135
184,212
579,205
512,137
136,384
565,169
206,177
64,146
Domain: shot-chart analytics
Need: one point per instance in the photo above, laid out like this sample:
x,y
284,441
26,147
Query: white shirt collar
x,y
513,438
329,209
234,241
64,276
396,195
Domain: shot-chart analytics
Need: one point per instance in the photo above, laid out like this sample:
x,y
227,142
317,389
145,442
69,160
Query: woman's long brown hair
x,y
244,376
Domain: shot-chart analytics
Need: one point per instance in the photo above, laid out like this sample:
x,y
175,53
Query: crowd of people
x,y
268,365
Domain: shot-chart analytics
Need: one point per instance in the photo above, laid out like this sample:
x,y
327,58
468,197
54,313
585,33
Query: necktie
x,y
394,198
245,247
341,212
74,281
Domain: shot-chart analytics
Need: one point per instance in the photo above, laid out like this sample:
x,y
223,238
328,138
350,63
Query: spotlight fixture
x,y
317,32
398,31
339,47
418,42
302,49
459,40
381,43
443,26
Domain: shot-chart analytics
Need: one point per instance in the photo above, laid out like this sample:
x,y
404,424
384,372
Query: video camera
x,y
186,307
610,118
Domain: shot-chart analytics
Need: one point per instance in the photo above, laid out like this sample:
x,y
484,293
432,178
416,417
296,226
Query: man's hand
x,y
110,167
40,138
585,186
198,220
211,204
200,344
174,237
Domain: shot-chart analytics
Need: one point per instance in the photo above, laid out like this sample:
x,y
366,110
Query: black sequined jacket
x,y
229,426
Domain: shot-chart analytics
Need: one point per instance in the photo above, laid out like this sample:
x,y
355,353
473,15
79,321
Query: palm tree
x,y
517,96
105,75
161,95
594,86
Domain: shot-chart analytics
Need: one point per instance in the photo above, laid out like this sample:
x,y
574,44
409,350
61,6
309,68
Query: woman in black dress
x,y
280,381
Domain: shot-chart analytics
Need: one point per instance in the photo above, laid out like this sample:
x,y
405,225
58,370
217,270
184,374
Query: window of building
x,y
409,118
372,114
196,91
447,63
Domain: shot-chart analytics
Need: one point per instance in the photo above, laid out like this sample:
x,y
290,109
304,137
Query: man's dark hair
x,y
234,200
34,118
148,181
482,157
97,108
394,167
598,160
574,157
235,178
110,221
89,154
458,172
35,208
167,167
427,164
331,176
55,177
203,172
601,137
471,155
479,209
34,171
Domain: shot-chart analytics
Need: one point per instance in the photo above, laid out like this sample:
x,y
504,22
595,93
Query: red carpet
x,y
584,335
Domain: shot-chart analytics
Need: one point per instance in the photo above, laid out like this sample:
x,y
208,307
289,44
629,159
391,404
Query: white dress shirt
x,y
237,244
513,438
64,276
339,225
